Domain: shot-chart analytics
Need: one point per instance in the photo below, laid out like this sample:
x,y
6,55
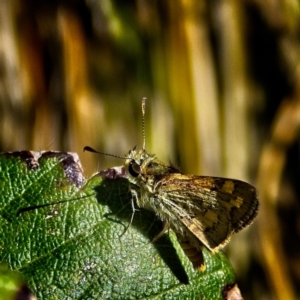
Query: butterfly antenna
x,y
143,121
90,149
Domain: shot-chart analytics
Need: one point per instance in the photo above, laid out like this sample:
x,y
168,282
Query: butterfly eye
x,y
134,169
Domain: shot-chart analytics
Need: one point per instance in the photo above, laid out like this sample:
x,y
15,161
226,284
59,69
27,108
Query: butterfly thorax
x,y
146,173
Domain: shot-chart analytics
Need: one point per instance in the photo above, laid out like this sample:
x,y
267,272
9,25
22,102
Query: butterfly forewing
x,y
208,207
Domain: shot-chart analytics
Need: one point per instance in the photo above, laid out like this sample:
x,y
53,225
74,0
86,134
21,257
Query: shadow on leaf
x,y
116,195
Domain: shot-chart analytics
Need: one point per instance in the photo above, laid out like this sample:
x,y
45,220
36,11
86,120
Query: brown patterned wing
x,y
208,209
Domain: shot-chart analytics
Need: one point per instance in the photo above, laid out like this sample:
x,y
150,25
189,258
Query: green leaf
x,y
64,235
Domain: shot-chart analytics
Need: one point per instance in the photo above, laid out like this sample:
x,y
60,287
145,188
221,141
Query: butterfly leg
x,y
134,194
166,227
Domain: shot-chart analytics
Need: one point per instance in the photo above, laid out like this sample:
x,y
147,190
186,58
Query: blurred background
x,y
222,79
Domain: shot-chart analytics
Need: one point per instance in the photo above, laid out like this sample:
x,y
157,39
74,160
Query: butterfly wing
x,y
207,209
